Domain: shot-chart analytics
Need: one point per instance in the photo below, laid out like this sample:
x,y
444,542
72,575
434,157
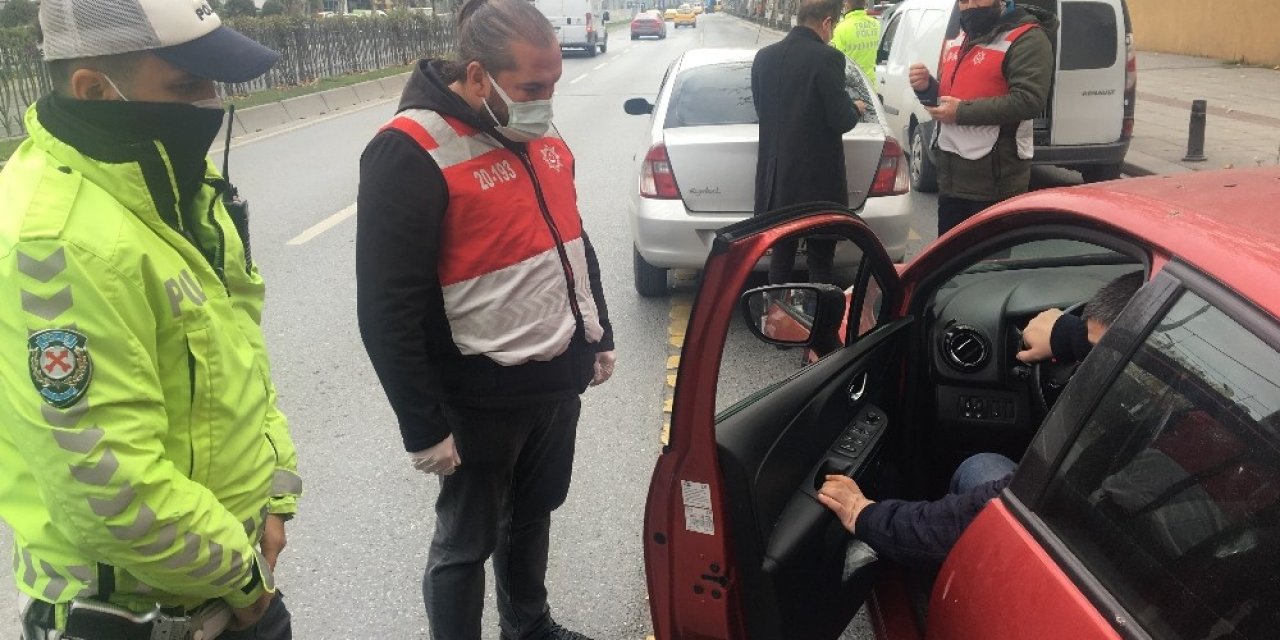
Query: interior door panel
x,y
774,450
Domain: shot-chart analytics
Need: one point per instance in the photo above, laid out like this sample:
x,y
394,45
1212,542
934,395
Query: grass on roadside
x,y
268,96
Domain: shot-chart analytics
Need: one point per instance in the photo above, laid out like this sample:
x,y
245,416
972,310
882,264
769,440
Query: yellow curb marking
x,y
673,362
912,235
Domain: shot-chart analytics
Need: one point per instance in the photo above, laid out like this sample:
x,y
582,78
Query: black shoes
x,y
557,632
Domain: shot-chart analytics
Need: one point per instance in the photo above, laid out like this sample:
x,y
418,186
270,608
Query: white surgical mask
x,y
526,121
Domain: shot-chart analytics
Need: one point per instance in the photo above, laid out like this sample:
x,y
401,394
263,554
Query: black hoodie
x,y
401,206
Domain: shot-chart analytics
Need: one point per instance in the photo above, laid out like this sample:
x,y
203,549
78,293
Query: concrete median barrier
x,y
340,98
262,118
305,107
394,85
369,91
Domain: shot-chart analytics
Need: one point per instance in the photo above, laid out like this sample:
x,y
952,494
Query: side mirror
x,y
637,107
796,315
606,16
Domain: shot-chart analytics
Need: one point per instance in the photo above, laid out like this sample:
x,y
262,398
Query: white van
x,y
579,24
1089,120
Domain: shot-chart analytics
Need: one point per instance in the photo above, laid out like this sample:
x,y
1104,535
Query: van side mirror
x,y
637,107
606,16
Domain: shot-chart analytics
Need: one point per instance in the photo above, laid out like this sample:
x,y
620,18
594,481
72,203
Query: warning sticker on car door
x,y
698,516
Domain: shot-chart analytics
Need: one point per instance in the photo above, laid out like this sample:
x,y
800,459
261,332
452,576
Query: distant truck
x,y
579,24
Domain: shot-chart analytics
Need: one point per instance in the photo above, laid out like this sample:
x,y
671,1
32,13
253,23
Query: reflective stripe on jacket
x,y
972,75
512,263
164,451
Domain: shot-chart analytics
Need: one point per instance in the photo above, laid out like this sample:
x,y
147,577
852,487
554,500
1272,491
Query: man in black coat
x,y
798,86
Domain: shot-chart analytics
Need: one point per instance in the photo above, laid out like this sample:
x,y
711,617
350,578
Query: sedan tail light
x,y
656,178
892,177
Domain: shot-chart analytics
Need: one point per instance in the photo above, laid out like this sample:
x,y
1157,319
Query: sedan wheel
x,y
651,281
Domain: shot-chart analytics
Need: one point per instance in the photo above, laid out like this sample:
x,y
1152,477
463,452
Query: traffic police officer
x,y
857,36
145,469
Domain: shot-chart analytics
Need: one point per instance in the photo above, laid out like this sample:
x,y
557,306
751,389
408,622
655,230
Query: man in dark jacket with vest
x,y
481,307
994,81
798,87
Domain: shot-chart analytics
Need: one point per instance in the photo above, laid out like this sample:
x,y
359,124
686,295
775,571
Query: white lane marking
x,y
599,66
575,80
322,226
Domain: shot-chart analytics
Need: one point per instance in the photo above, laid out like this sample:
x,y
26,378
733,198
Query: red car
x,y
648,25
1147,499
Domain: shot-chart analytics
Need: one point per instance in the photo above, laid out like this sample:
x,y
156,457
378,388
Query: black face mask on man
x,y
980,20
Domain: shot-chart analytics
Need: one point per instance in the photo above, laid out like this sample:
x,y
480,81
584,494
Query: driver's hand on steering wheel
x,y
1036,346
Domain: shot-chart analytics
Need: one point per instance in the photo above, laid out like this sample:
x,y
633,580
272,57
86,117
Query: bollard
x,y
1195,135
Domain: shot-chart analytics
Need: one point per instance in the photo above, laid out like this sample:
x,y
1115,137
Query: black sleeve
x,y
597,291
921,534
930,94
400,207
1069,339
841,114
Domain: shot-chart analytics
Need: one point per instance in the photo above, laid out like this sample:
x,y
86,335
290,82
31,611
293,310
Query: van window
x,y
1089,36
886,42
712,95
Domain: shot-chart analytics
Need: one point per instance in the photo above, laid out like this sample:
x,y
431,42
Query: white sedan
x,y
697,169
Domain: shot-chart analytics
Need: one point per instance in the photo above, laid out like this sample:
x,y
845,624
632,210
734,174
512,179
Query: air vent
x,y
964,348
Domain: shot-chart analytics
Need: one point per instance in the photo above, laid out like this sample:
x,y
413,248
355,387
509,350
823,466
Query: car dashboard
x,y
982,392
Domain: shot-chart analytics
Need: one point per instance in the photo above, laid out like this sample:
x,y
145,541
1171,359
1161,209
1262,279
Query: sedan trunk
x,y
715,166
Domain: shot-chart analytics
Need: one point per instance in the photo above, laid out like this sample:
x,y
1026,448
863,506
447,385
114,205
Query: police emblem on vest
x,y
60,365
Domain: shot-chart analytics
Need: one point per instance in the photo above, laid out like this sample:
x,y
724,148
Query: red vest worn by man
x,y
513,263
972,75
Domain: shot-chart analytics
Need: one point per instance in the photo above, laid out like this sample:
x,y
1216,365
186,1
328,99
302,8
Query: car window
x,y
1047,253
1089,36
750,367
716,94
886,42
1171,495
855,85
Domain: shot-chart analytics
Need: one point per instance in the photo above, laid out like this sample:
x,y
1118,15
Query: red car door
x,y
736,545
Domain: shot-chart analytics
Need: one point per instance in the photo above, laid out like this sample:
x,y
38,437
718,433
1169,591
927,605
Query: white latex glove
x,y
441,459
604,367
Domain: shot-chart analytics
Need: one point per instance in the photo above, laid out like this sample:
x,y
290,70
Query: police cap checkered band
x,y
186,33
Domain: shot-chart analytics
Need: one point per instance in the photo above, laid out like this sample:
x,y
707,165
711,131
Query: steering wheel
x,y
1050,377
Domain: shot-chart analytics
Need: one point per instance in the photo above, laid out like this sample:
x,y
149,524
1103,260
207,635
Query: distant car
x,y
685,17
579,24
1146,499
698,164
670,14
648,25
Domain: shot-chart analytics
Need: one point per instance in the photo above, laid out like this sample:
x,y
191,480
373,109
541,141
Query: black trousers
x,y
820,258
516,467
952,211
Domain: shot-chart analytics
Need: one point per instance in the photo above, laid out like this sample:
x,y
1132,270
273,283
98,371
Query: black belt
x,y
94,620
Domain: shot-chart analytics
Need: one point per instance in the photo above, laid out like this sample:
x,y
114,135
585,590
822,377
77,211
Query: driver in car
x,y
922,533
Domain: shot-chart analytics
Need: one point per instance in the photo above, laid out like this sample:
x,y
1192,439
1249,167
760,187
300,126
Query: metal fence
x,y
311,49
779,14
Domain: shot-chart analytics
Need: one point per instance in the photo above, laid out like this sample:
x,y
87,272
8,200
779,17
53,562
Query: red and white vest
x,y
509,293
973,75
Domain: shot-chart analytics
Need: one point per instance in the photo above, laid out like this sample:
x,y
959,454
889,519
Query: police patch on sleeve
x,y
60,365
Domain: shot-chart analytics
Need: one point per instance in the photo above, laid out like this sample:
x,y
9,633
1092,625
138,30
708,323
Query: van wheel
x,y
924,176
651,281
1100,172
635,37
593,50
604,46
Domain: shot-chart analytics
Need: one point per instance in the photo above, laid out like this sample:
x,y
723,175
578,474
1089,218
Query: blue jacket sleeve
x,y
921,534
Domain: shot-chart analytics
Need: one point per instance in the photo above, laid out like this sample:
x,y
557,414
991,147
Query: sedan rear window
x,y
715,94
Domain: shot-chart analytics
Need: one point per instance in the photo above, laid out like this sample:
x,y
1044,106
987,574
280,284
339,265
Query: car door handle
x,y
890,110
858,388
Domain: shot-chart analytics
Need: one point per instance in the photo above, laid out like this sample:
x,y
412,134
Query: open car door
x,y
736,544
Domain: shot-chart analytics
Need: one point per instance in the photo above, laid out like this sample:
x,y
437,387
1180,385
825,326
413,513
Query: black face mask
x,y
977,22
185,131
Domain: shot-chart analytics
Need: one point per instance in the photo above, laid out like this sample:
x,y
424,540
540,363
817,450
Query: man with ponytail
x,y
481,308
